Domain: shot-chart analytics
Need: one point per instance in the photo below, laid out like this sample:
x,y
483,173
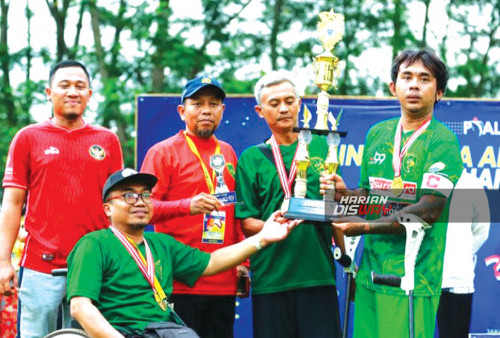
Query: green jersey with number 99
x,y
431,165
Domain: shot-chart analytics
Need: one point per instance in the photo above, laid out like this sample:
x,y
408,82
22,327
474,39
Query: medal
x,y
146,266
285,180
161,302
397,186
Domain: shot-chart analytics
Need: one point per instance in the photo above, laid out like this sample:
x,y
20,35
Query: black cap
x,y
194,85
127,175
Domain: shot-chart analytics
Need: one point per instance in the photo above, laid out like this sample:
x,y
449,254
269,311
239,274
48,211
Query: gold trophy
x,y
330,31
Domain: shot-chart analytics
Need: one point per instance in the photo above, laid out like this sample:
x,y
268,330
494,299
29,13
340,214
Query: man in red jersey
x,y
56,168
191,166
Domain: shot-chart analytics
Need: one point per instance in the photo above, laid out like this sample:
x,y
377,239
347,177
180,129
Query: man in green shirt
x,y
415,161
293,283
119,279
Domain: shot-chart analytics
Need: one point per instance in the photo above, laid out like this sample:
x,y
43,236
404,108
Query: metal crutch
x,y
415,231
347,261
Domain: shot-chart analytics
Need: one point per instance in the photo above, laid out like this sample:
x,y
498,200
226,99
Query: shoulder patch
x,y
230,168
436,167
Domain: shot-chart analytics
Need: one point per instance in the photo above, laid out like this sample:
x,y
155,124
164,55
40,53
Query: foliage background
x,y
154,46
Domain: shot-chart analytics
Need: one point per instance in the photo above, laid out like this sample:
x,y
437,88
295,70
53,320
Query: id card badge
x,y
214,227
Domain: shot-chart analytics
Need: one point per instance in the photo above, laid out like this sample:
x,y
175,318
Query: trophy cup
x,y
226,197
330,30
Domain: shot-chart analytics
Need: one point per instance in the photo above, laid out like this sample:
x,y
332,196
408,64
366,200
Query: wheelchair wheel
x,y
67,333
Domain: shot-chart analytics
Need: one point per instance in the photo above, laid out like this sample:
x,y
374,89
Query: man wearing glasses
x,y
120,279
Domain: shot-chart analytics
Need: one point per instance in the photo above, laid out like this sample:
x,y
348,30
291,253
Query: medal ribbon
x,y
146,265
209,179
397,159
286,181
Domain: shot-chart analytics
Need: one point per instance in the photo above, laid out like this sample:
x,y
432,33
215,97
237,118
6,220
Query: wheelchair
x,y
75,330
67,333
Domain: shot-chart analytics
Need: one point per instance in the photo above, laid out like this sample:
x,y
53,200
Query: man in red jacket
x,y
191,166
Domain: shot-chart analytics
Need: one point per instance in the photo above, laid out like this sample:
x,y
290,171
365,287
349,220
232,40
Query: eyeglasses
x,y
132,197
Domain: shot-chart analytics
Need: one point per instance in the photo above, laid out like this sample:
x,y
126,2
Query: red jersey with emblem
x,y
180,177
63,172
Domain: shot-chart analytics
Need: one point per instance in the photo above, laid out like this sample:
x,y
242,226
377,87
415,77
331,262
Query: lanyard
x,y
146,265
397,157
209,179
286,181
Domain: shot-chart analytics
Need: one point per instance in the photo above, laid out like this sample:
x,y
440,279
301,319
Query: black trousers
x,y
209,316
302,313
454,314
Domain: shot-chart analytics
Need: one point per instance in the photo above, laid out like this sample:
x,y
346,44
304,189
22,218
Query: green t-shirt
x,y
432,165
304,258
100,268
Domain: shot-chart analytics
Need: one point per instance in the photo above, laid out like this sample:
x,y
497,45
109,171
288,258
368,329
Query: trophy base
x,y
320,131
308,209
226,198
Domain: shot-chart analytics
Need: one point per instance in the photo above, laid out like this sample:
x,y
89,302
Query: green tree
x,y
59,11
9,108
114,74
146,47
272,40
363,30
478,72
160,55
14,110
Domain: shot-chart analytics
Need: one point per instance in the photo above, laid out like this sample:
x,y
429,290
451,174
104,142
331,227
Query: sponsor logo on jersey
x,y
51,151
97,152
383,188
480,127
317,164
378,158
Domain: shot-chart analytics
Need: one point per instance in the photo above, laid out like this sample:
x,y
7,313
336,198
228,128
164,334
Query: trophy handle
x,y
300,188
302,162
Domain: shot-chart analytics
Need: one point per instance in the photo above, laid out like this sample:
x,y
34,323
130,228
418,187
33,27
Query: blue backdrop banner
x,y
475,122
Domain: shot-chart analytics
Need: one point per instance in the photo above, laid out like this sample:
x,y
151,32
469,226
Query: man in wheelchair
x,y
119,279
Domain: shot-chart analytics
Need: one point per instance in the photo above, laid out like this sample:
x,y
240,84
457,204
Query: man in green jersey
x,y
119,278
293,283
415,161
